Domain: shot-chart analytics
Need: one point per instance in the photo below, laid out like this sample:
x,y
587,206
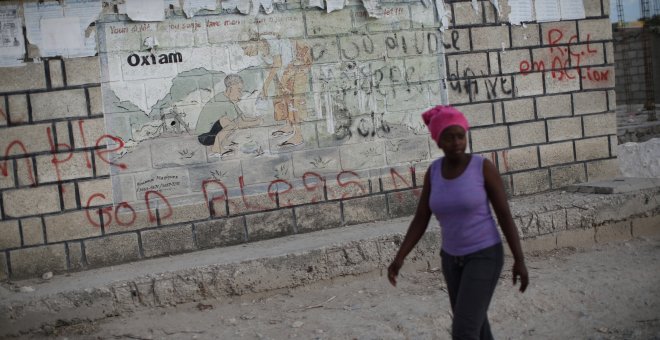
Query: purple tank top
x,y
462,209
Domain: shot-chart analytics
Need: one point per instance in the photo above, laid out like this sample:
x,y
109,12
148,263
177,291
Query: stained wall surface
x,y
224,128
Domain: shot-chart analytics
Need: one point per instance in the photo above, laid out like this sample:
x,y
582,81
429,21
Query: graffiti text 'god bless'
x,y
152,59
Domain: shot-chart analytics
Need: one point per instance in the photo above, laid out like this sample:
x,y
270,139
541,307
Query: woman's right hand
x,y
393,271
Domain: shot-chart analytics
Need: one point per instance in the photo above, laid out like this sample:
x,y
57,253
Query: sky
x,y
631,10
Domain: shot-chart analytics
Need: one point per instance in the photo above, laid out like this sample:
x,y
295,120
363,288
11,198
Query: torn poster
x,y
521,11
373,7
145,10
191,7
12,41
573,9
243,6
443,14
316,3
547,10
334,5
72,21
496,4
475,6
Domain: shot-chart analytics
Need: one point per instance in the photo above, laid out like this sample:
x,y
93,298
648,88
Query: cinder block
x,y
527,133
491,138
457,93
511,59
613,145
464,14
406,151
554,106
530,182
63,166
3,112
56,74
18,109
4,271
348,185
558,82
592,8
518,159
403,203
32,76
95,101
269,224
251,203
494,62
566,175
558,32
31,201
595,29
519,110
457,39
170,240
184,213
604,169
33,231
620,231
540,243
564,128
606,8
114,249
8,181
599,124
598,77
365,209
527,35
609,55
530,84
58,104
299,194
395,17
69,226
592,148
76,258
87,189
220,233
80,71
490,38
318,216
87,131
320,23
590,102
124,218
10,235
556,153
476,62
577,238
68,191
33,137
422,17
646,226
63,136
35,261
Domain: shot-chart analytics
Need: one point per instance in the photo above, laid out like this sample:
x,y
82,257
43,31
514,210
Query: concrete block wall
x,y
629,54
539,98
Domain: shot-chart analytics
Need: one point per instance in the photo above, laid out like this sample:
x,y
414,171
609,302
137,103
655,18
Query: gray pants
x,y
471,281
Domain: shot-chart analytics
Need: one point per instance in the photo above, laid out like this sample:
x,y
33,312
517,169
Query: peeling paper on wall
x,y
496,4
191,7
243,6
145,10
373,7
63,30
12,41
335,5
443,15
316,3
475,6
426,3
521,11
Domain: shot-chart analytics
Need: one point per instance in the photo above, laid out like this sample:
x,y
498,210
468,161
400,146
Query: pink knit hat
x,y
439,118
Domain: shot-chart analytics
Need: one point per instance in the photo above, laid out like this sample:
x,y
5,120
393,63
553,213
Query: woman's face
x,y
453,141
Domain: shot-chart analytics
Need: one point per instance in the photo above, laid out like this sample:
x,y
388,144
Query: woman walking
x,y
457,190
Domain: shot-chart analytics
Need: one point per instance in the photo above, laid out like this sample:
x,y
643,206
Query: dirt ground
x,y
607,292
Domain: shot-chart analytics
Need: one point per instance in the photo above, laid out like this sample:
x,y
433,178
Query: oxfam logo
x,y
152,59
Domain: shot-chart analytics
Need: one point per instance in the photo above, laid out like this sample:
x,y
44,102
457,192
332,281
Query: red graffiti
x,y
152,217
345,184
566,61
248,205
101,152
395,174
82,135
4,167
107,211
312,187
54,151
211,203
272,195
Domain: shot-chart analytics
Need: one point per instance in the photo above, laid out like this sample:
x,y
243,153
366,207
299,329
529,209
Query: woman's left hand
x,y
520,271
